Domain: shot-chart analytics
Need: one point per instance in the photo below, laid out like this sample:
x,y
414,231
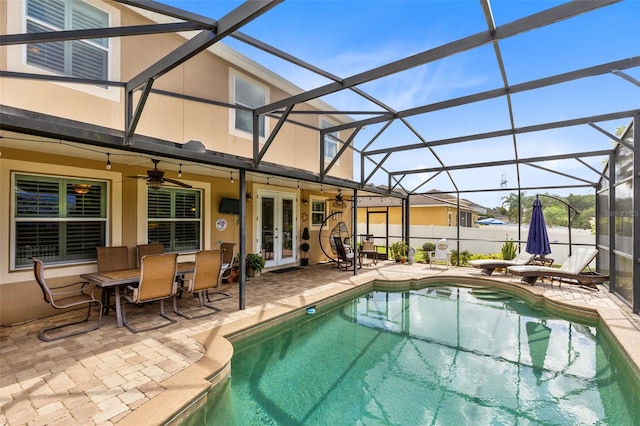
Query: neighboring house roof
x,y
432,198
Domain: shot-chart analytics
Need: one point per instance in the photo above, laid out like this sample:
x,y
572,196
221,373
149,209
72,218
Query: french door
x,y
276,228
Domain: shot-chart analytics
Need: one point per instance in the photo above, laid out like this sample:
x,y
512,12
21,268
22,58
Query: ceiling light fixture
x,y
231,179
180,170
339,203
108,161
81,188
155,184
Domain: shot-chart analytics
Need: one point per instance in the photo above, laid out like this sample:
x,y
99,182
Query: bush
x,y
460,259
423,253
484,256
427,247
509,250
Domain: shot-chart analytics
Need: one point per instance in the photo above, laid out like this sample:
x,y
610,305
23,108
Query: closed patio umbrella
x,y
538,239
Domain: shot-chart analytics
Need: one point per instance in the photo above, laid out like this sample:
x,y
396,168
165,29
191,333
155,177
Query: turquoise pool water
x,y
437,356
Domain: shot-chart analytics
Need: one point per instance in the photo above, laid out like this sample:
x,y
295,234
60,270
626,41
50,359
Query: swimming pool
x,y
439,355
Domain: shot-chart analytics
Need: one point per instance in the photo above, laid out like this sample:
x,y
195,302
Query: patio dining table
x,y
115,279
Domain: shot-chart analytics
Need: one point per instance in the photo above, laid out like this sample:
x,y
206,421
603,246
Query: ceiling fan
x,y
155,178
339,202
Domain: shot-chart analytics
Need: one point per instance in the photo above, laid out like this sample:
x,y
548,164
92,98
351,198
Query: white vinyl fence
x,y
485,239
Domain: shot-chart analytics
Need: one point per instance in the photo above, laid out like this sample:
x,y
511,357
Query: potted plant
x,y
255,263
235,266
304,247
398,250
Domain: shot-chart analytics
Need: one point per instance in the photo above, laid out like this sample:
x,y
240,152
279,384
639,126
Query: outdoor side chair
x,y
157,283
145,249
227,259
345,256
114,258
442,254
63,297
206,276
369,249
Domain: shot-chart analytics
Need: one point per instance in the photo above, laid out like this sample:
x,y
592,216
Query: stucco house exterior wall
x,y
210,76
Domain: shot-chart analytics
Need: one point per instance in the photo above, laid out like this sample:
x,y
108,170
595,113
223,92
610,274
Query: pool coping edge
x,y
186,390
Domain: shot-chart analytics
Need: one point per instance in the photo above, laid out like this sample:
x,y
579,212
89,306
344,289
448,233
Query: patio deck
x,y
111,375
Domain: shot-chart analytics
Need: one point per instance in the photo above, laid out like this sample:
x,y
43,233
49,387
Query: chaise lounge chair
x,y
570,271
489,265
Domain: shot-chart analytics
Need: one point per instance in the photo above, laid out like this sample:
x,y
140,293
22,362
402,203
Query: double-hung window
x,y
174,219
330,142
77,58
59,220
318,212
250,95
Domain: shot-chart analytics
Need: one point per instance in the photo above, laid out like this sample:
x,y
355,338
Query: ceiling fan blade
x,y
138,177
177,182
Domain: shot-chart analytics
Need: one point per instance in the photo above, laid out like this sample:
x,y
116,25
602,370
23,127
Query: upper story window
x,y
174,218
251,95
330,141
59,220
77,58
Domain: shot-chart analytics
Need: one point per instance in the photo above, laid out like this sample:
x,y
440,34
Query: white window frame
x,y
61,217
17,54
174,220
330,138
69,7
233,76
318,200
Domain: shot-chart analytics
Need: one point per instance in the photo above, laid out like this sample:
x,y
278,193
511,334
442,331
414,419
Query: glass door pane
x,y
286,248
267,227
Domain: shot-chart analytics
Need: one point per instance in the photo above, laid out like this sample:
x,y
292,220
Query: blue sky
x,y
348,37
